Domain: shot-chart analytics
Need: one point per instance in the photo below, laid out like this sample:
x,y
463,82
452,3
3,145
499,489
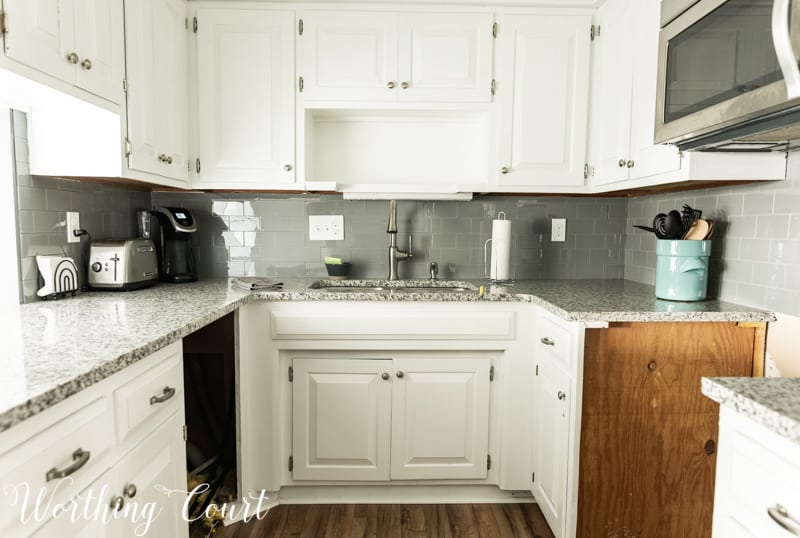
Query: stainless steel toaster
x,y
122,264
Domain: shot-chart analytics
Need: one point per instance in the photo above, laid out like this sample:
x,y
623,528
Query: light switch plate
x,y
325,227
558,231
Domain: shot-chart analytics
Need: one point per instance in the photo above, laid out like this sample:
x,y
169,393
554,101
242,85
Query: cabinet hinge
x,y
491,373
587,171
194,24
291,374
186,23
3,23
185,432
493,86
494,29
300,84
125,85
488,461
197,165
537,369
189,165
300,27
291,463
533,477
128,148
594,31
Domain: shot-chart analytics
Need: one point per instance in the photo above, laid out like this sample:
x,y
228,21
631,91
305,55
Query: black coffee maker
x,y
172,234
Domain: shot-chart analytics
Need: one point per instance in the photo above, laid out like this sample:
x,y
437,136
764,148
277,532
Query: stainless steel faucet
x,y
395,254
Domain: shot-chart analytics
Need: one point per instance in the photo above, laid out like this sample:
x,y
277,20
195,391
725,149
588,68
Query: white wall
x,y
9,270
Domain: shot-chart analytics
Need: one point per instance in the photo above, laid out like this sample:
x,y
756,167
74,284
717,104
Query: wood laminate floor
x,y
395,520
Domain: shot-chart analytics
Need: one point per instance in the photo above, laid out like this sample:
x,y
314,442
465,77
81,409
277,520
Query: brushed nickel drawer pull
x,y
546,341
130,491
781,516
80,457
117,503
169,392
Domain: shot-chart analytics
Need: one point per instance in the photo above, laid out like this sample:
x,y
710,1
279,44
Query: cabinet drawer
x,y
757,470
553,340
152,395
422,324
56,463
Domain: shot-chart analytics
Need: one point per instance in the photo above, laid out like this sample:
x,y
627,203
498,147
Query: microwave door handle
x,y
782,41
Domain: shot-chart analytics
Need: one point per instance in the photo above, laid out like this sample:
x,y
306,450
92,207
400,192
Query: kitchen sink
x,y
393,286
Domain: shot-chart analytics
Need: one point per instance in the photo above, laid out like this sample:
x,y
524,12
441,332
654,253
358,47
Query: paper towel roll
x,y
500,266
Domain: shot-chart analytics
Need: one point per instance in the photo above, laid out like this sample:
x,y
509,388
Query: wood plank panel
x,y
644,467
656,367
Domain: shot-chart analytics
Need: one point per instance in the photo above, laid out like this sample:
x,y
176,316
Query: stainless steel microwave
x,y
728,76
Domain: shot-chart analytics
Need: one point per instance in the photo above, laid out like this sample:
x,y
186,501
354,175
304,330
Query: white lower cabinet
x,y
109,485
758,472
390,419
550,437
558,356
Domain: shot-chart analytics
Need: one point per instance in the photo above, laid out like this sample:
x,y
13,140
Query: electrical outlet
x,y
325,227
558,231
73,223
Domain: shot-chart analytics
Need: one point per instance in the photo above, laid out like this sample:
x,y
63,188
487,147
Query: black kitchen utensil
x,y
645,228
688,216
660,225
673,225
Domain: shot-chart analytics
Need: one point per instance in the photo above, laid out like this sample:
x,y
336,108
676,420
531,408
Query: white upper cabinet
x,y
623,95
622,152
349,56
383,57
245,95
543,90
76,41
157,67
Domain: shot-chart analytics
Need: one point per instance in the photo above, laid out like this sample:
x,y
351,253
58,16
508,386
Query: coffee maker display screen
x,y
180,215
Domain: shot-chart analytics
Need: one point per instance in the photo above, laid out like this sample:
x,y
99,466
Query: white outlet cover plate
x,y
559,230
326,227
73,223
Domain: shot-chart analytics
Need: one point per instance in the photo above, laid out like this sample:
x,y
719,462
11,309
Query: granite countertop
x,y
771,401
53,349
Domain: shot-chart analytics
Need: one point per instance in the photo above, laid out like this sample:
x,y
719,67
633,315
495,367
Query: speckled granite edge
x,y
41,402
562,298
773,402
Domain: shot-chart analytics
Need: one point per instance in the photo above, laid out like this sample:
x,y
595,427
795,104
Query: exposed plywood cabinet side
x,y
648,435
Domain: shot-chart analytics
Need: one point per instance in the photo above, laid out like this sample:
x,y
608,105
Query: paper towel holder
x,y
486,272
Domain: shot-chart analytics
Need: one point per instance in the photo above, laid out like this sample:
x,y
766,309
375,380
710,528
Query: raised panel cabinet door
x,y
154,474
349,56
81,526
171,74
647,157
245,88
549,453
612,86
543,85
440,418
43,35
445,57
99,43
157,65
341,410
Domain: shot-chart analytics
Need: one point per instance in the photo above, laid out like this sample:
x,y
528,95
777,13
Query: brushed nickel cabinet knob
x,y
390,85
87,64
404,85
505,170
72,58
287,167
